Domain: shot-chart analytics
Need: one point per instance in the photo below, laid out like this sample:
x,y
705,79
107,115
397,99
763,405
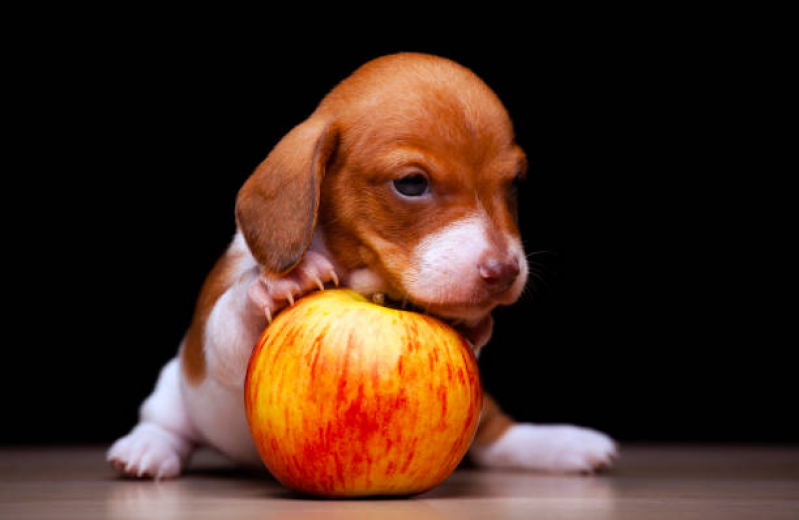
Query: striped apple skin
x,y
348,398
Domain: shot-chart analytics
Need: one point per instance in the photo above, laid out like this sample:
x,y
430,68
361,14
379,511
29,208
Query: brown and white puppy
x,y
401,183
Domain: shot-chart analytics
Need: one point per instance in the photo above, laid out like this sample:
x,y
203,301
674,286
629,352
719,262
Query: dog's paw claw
x,y
270,293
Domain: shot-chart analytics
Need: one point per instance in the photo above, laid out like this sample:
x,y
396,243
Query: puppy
x,y
401,184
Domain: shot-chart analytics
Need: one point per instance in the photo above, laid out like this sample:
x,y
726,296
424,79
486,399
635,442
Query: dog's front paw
x,y
149,451
550,448
271,293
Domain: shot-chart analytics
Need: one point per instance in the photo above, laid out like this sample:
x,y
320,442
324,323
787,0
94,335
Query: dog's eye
x,y
411,185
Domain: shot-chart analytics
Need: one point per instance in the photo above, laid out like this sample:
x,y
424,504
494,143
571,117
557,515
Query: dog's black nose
x,y
498,273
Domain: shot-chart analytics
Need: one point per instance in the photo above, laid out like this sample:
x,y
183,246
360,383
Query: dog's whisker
x,y
536,274
538,253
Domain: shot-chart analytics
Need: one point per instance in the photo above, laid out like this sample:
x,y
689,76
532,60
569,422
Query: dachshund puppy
x,y
400,184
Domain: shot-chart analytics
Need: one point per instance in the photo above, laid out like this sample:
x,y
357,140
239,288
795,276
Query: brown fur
x,y
493,423
276,208
395,115
216,283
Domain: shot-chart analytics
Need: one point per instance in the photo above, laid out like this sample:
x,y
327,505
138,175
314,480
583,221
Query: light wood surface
x,y
665,482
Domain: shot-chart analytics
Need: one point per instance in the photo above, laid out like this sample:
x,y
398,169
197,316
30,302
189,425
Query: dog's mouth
x,y
471,329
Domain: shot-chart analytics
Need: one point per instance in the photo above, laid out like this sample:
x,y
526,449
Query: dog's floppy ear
x,y
277,206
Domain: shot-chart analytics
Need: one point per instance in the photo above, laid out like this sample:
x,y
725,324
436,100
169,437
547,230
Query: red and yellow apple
x,y
348,398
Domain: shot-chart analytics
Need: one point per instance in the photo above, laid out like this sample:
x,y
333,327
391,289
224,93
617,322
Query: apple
x,y
348,398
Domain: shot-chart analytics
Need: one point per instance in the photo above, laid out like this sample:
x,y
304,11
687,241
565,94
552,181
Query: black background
x,y
660,311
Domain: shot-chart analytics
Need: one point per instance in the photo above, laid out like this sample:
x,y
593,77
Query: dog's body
x,y
401,184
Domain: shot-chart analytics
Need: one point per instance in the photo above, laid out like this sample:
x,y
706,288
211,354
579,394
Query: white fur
x,y
165,405
216,405
178,415
232,328
516,250
444,266
553,448
217,412
366,281
160,445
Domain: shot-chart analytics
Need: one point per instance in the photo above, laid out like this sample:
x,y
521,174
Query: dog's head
x,y
408,168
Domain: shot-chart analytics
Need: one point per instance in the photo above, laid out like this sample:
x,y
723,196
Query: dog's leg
x,y
248,305
501,442
160,445
271,293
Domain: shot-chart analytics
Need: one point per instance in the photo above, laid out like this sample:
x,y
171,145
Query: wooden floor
x,y
671,482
